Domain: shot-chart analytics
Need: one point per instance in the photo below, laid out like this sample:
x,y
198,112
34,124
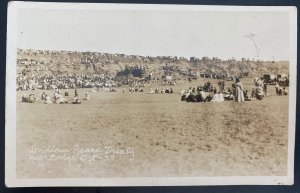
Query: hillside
x,y
53,62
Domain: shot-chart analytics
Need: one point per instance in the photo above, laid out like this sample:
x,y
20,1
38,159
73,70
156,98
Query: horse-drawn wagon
x,y
269,78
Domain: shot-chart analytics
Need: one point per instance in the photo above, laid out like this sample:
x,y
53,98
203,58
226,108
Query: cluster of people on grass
x,y
161,91
280,91
209,93
68,81
261,89
104,89
208,87
169,82
58,98
133,89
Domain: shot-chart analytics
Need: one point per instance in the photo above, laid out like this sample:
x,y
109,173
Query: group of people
x,y
162,91
205,93
58,98
209,93
66,81
133,89
280,91
261,89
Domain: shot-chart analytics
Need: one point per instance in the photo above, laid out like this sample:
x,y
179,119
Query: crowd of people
x,y
209,93
203,93
73,81
161,91
57,98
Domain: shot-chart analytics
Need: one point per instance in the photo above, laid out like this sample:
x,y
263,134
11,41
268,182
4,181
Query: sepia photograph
x,y
139,95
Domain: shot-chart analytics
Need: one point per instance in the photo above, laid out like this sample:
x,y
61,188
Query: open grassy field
x,y
169,137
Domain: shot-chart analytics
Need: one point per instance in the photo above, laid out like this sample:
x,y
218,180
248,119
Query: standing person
x,y
239,93
76,93
277,88
76,97
265,86
215,90
266,89
182,91
222,86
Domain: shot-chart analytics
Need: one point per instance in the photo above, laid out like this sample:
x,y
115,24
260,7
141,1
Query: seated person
x,y
182,91
31,98
208,98
77,100
151,91
229,95
193,90
259,82
43,97
260,94
183,98
280,92
87,97
285,91
187,94
215,90
218,97
57,98
202,94
25,98
247,96
48,100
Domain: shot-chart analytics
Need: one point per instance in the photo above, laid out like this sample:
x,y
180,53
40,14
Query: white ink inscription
x,y
78,153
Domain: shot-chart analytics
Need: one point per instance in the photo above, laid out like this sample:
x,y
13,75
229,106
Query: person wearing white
x,y
87,97
182,91
218,97
151,91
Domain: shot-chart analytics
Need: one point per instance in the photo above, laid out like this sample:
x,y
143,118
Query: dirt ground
x,y
168,137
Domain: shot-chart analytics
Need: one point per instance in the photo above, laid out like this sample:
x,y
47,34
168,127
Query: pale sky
x,y
156,33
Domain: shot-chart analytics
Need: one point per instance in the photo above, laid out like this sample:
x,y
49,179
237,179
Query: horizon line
x,y
184,57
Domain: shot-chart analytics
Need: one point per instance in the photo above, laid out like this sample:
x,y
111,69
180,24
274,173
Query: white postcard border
x,y
10,116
